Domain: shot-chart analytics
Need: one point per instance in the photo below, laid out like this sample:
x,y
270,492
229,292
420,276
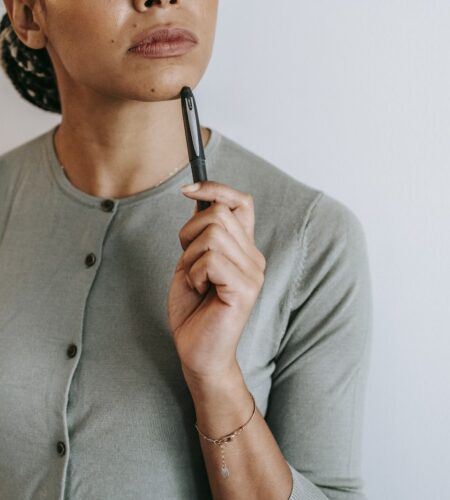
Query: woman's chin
x,y
162,91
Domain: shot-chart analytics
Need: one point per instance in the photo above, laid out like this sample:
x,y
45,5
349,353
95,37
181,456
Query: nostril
x,y
149,3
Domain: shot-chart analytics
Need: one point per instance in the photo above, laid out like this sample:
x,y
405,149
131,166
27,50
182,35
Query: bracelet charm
x,y
222,441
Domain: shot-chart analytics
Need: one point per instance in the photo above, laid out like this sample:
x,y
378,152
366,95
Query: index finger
x,y
239,202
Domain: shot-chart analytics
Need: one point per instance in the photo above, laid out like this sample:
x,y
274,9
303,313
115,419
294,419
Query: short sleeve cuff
x,y
303,488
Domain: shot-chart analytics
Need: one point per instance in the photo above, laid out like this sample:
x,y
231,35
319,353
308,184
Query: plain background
x,y
352,97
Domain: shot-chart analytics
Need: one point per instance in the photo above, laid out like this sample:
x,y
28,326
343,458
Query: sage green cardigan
x,y
93,403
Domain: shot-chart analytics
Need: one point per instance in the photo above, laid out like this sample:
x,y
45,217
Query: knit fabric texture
x,y
93,402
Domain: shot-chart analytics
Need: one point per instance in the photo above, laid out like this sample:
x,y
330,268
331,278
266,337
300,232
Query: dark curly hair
x,y
30,70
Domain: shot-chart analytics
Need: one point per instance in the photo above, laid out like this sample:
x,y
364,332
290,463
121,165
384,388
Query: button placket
x,y
90,260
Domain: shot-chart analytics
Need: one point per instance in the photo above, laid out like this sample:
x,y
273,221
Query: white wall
x,y
352,97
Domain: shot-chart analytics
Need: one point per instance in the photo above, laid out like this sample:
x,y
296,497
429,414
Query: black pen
x,y
194,140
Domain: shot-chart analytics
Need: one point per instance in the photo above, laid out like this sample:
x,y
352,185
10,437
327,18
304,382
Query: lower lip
x,y
163,49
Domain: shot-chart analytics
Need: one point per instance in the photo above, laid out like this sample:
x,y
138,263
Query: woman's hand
x,y
226,271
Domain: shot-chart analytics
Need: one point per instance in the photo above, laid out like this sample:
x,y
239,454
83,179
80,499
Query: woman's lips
x,y
163,34
164,41
172,47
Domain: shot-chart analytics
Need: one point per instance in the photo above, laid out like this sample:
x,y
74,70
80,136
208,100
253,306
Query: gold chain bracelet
x,y
222,441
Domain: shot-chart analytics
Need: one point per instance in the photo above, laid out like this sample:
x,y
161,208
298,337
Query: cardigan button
x,y
107,205
61,448
72,351
90,259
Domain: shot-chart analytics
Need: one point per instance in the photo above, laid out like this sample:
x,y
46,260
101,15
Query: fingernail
x,y
189,188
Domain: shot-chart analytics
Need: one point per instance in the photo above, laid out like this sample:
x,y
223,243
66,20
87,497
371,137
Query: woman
x,y
134,331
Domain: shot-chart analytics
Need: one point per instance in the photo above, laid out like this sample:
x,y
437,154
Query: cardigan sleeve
x,y
316,402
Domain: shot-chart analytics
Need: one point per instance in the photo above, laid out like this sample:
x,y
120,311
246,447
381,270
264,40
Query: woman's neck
x,y
109,160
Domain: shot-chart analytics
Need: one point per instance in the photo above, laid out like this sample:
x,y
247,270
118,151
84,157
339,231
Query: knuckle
x,y
261,281
220,212
214,231
191,273
257,283
220,208
248,200
212,257
182,236
263,261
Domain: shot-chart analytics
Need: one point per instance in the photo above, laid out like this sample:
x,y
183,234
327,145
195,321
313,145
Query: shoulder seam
x,y
303,246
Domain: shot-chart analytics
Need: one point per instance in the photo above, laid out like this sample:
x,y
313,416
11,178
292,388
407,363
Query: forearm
x,y
255,462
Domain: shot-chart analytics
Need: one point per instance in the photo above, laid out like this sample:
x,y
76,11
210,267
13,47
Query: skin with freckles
x,y
122,129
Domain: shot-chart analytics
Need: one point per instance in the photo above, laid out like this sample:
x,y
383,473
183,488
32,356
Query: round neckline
x,y
182,176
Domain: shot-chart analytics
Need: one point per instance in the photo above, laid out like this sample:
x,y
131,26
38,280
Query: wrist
x,y
221,404
206,386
